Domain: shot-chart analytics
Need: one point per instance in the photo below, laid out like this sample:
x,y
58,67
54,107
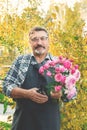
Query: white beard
x,y
40,52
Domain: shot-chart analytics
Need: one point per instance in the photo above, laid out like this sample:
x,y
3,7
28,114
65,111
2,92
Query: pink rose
x,y
58,88
77,75
67,64
49,73
72,71
70,81
62,69
41,70
57,69
71,93
52,63
63,79
58,77
76,66
46,66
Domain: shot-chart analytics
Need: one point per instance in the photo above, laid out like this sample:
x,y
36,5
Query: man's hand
x,y
56,94
31,94
36,96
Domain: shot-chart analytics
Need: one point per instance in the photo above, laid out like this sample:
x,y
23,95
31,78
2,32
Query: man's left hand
x,y
56,94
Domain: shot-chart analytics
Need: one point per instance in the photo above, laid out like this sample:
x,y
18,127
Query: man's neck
x,y
40,58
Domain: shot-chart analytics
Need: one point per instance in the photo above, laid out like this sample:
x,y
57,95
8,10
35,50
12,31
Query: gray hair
x,y
38,28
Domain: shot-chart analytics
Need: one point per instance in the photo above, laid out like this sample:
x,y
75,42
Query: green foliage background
x,y
65,27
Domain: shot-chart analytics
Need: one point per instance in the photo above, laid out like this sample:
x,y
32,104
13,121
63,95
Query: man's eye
x,y
34,39
44,38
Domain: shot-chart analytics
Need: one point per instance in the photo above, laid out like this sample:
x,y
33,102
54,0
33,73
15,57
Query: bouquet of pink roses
x,y
64,75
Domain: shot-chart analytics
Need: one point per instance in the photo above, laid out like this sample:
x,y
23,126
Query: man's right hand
x,y
35,96
31,94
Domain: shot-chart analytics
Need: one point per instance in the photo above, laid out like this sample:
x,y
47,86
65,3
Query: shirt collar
x,y
33,61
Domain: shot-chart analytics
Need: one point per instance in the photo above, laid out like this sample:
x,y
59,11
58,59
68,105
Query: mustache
x,y
39,46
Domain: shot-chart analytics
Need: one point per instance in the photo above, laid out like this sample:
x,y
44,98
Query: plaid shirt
x,y
17,73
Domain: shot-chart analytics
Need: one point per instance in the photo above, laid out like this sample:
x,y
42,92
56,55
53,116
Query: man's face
x,y
39,42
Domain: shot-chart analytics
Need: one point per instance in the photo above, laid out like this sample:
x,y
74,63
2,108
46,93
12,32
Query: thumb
x,y
36,89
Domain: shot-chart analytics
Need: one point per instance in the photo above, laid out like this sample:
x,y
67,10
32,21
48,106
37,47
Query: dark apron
x,y
33,116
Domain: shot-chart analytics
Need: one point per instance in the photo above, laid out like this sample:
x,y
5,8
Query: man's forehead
x,y
38,33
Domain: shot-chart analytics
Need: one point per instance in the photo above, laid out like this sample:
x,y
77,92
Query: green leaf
x,y
1,97
5,106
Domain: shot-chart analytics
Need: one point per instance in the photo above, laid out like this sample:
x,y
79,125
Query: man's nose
x,y
39,41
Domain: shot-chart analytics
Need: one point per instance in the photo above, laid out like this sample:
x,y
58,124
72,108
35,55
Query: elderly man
x,y
35,110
